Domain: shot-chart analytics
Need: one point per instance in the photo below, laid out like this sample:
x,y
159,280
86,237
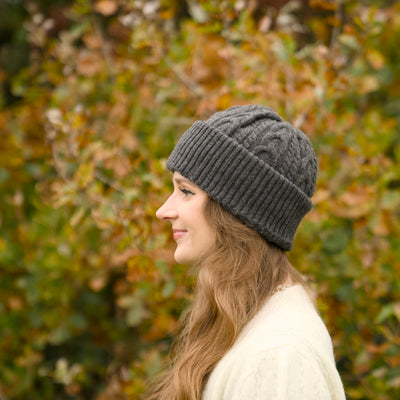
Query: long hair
x,y
234,280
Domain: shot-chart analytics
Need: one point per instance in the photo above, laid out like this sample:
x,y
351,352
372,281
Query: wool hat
x,y
257,166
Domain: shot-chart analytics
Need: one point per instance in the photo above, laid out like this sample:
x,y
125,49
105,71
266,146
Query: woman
x,y
243,180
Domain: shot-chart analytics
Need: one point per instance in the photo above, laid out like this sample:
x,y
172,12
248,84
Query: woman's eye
x,y
186,192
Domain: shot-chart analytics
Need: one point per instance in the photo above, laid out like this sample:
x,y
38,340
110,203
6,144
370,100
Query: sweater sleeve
x,y
283,373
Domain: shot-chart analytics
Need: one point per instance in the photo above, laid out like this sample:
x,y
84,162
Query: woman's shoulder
x,y
289,318
282,372
285,342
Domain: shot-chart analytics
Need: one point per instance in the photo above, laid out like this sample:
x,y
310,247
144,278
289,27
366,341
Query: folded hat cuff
x,y
242,183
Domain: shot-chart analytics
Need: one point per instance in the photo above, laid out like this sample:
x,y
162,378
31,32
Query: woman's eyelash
x,y
186,192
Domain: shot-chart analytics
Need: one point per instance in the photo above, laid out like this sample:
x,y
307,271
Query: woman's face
x,y
185,210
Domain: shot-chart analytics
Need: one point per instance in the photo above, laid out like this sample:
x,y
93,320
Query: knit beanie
x,y
257,166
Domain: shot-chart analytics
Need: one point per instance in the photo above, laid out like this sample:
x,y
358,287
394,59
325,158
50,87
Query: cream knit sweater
x,y
284,353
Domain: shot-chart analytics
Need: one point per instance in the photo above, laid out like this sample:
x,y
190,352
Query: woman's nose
x,y
167,210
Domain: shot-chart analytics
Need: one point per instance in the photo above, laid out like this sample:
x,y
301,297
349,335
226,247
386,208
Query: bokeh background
x,y
94,94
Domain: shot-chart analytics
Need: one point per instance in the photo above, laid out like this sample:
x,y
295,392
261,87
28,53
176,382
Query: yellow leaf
x,y
368,83
375,58
84,174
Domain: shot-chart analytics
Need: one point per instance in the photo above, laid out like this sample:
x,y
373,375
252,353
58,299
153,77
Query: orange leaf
x,y
97,283
106,7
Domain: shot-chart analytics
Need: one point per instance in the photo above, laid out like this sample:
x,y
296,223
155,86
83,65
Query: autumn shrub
x,y
94,96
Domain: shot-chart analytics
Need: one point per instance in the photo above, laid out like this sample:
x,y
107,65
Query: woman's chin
x,y
182,258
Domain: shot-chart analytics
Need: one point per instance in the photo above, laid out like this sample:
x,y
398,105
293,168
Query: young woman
x,y
243,180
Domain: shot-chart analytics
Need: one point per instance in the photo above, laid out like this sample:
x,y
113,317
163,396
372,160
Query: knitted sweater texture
x,y
284,353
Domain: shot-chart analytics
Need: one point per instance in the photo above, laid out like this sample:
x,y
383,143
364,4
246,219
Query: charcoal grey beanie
x,y
257,166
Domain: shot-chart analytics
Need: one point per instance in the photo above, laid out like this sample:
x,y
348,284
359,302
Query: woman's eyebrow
x,y
182,180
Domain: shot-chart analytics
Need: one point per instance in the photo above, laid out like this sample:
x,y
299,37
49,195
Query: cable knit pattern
x,y
276,142
256,165
284,353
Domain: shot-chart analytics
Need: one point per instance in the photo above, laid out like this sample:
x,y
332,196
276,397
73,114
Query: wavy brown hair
x,y
234,281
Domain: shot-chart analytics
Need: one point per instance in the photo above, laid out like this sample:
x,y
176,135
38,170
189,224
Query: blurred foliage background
x,y
94,94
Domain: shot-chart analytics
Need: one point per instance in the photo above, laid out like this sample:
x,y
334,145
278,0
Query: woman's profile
x,y
243,181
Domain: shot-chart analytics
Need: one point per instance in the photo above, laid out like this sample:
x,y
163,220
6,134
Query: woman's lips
x,y
178,233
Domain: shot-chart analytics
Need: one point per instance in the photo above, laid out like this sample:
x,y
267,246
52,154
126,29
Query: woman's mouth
x,y
178,233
